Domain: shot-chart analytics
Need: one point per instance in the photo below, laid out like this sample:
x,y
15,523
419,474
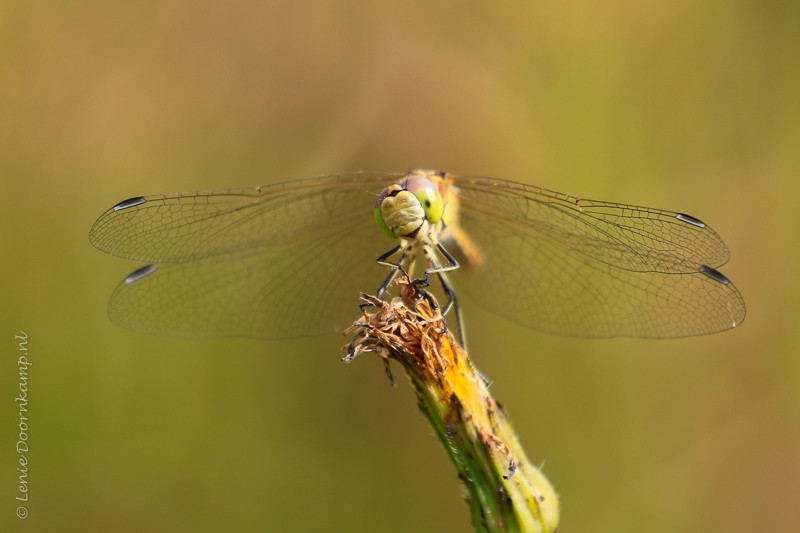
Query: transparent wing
x,y
220,224
598,269
284,260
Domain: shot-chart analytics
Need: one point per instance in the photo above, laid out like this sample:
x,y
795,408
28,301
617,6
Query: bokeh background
x,y
686,105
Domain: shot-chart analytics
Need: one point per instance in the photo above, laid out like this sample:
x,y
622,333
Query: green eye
x,y
428,195
382,224
431,202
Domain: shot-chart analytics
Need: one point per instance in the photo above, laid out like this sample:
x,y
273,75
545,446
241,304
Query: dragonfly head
x,y
408,209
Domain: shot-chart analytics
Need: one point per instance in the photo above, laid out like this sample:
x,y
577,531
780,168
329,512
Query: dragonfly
x,y
290,259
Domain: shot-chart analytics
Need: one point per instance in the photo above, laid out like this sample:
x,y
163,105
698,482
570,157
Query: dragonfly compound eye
x,y
428,195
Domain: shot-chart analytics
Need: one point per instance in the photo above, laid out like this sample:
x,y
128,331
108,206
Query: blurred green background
x,y
690,106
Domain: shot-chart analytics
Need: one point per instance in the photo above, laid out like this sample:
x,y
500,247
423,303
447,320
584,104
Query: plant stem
x,y
506,492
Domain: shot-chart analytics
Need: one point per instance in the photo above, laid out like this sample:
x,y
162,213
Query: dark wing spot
x,y
139,273
130,202
714,274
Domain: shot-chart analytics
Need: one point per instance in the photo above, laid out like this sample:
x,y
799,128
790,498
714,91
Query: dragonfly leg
x,y
382,260
435,267
452,300
396,267
452,303
419,285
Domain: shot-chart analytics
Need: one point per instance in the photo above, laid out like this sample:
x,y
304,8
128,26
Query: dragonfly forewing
x,y
587,268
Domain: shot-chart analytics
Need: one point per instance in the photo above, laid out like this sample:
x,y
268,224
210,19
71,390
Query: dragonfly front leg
x,y
396,267
435,268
